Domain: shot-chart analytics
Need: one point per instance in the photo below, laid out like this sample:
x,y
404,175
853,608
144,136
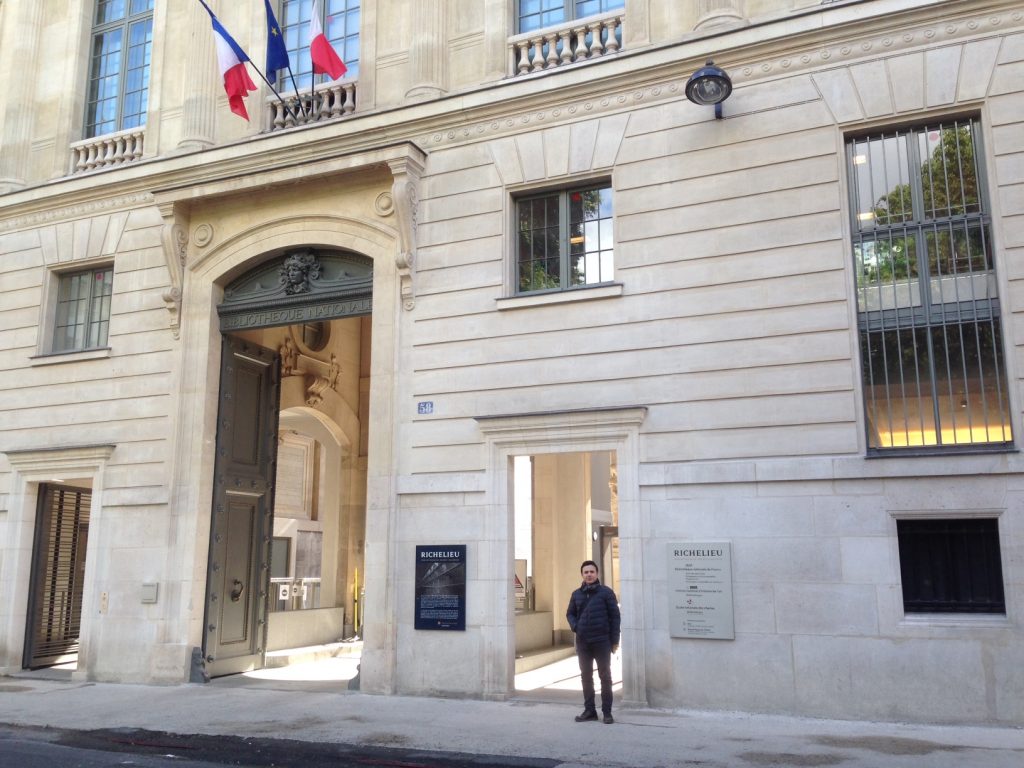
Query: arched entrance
x,y
289,489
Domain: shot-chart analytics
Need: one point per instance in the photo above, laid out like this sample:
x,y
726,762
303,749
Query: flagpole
x,y
312,89
298,99
312,65
273,90
250,62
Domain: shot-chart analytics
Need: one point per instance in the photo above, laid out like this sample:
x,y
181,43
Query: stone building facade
x,y
246,368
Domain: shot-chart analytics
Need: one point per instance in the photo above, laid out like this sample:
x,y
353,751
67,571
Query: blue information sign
x,y
441,587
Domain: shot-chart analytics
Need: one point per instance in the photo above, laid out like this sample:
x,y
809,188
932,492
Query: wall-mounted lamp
x,y
709,85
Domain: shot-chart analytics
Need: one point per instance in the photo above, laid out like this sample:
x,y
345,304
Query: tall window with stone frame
x,y
82,312
341,26
122,42
565,239
928,306
537,14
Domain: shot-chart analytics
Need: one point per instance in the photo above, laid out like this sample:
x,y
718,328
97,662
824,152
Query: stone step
x,y
288,656
541,657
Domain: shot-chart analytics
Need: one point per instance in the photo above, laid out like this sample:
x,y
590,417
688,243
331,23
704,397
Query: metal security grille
x,y
928,307
55,613
951,566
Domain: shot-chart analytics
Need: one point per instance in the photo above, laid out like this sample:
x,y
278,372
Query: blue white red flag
x,y
325,58
231,59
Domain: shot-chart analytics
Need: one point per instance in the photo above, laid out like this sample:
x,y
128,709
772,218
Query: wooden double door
x,y
242,520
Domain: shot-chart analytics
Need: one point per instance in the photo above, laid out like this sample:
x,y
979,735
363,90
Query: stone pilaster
x,y
636,30
21,45
717,14
199,109
428,56
496,34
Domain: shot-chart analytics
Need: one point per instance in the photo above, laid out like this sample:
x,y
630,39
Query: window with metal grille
x,y
928,307
83,310
537,14
565,239
122,42
341,27
951,566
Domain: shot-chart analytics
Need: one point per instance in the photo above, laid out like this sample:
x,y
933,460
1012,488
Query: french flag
x,y
325,59
231,59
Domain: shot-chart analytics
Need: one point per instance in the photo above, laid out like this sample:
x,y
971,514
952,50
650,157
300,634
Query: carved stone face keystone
x,y
297,270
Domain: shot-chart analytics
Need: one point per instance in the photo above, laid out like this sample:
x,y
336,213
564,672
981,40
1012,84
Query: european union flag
x,y
277,53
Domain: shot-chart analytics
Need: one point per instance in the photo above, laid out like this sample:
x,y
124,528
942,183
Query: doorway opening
x,y
565,511
285,571
316,514
57,577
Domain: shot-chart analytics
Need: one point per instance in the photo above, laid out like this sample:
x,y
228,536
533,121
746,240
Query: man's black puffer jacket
x,y
594,614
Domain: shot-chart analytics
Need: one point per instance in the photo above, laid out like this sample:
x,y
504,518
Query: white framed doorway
x,y
79,466
613,431
565,510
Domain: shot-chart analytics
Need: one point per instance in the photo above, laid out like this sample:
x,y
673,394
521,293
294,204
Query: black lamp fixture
x,y
709,85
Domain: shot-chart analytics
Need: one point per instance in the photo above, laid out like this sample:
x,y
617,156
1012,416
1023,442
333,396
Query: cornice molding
x,y
59,457
180,178
557,426
79,210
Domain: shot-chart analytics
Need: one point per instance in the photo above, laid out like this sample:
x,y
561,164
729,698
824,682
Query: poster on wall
x,y
441,587
700,590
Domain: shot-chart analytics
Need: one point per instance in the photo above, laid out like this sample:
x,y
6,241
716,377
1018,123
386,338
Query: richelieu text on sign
x,y
700,590
441,587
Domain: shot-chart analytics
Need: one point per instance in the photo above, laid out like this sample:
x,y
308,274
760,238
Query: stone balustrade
x,y
328,102
578,40
108,150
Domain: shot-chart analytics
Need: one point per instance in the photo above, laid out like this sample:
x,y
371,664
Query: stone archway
x,y
303,310
205,278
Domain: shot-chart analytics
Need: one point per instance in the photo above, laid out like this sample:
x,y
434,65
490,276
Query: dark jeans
x,y
588,653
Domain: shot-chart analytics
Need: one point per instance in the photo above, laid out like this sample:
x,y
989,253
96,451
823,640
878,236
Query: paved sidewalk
x,y
325,711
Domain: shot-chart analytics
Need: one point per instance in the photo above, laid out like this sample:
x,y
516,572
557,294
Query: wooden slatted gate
x,y
55,602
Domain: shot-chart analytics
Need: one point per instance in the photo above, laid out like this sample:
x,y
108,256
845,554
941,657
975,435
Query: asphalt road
x,y
117,748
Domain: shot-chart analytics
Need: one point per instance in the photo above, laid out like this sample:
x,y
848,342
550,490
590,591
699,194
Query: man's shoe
x,y
586,716
608,719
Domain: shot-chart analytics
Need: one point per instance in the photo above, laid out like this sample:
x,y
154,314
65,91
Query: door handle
x,y
236,591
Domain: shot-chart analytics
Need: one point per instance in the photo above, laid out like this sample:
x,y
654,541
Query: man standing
x,y
594,616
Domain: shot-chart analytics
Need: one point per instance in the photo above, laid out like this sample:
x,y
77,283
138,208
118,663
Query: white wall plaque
x,y
700,590
293,492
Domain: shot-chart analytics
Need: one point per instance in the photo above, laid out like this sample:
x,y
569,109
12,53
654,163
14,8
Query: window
x,y
341,26
122,41
83,310
536,14
951,566
565,239
928,307
313,337
280,557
